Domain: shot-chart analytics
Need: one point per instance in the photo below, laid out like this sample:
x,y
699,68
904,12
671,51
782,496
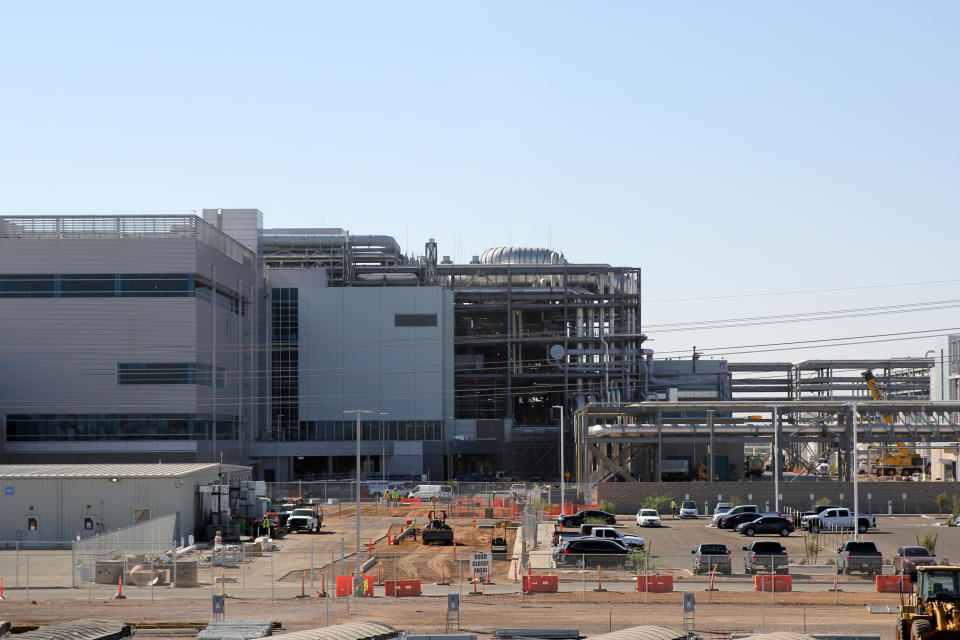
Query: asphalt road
x,y
674,541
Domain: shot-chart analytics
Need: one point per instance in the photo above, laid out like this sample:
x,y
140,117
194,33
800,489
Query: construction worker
x,y
265,526
396,498
413,527
433,502
673,508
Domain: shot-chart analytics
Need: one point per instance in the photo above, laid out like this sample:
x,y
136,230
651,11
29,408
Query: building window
x,y
169,373
415,320
27,286
156,373
285,362
155,285
113,285
88,285
138,426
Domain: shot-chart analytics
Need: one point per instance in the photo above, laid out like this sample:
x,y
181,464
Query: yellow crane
x,y
903,462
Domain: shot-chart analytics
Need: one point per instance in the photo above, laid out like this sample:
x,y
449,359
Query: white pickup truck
x,y
837,518
305,520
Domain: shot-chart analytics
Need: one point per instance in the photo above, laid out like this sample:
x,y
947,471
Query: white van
x,y
427,491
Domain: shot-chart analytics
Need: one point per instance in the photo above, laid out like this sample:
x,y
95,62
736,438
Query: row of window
x,y
284,363
308,430
55,427
169,373
112,285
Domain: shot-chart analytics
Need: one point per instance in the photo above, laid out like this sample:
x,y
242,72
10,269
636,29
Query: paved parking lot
x,y
674,541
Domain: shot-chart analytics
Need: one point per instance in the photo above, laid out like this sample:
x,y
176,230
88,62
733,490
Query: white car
x,y
721,507
648,518
688,509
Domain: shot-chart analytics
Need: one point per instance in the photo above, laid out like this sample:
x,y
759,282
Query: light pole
x,y
383,454
563,510
358,412
276,446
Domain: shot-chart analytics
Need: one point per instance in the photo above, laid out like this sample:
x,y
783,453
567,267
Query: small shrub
x,y
641,560
956,506
927,540
594,521
822,502
942,501
660,503
606,505
735,501
831,562
812,545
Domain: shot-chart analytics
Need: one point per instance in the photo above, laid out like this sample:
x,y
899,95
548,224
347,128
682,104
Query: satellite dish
x,y
557,351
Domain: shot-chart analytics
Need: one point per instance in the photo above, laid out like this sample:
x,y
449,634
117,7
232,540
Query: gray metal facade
x,y
65,351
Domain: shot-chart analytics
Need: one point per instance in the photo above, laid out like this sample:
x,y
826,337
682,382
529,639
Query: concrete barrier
x,y
345,586
540,584
893,584
401,588
780,583
655,584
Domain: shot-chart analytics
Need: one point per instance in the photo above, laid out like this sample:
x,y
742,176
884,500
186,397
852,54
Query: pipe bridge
x,y
626,441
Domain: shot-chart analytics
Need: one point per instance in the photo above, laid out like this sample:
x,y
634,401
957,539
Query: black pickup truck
x,y
765,557
859,556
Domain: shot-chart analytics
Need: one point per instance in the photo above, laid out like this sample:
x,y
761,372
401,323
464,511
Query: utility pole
x,y
358,412
562,480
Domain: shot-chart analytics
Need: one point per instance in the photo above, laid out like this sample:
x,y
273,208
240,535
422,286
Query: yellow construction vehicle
x,y
903,462
931,612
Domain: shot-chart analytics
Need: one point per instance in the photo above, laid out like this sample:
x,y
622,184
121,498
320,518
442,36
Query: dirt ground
x,y
411,558
725,613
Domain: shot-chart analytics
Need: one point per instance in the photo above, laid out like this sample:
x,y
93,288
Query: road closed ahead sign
x,y
480,563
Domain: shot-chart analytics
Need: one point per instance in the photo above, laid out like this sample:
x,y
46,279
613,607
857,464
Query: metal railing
x,y
137,227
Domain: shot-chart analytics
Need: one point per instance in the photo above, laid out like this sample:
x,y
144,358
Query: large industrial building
x,y
181,338
209,338
125,338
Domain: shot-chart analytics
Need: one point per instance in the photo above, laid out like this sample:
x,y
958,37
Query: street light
x,y
276,446
358,412
383,454
563,510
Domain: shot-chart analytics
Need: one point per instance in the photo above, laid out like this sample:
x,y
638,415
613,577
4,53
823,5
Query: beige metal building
x,y
58,502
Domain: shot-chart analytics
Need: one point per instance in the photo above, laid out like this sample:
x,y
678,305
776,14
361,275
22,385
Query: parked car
x,y
442,492
731,522
576,519
743,508
688,509
590,552
907,559
721,507
648,518
766,557
766,524
708,556
609,533
860,556
305,519
378,488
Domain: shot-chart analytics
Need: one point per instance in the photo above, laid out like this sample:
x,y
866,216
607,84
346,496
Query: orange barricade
x,y
540,584
345,588
780,583
894,584
400,588
655,583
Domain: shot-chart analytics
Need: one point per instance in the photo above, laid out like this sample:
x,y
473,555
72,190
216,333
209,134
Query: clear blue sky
x,y
726,148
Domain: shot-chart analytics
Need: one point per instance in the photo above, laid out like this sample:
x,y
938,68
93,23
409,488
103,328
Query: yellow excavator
x,y
903,462
931,613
